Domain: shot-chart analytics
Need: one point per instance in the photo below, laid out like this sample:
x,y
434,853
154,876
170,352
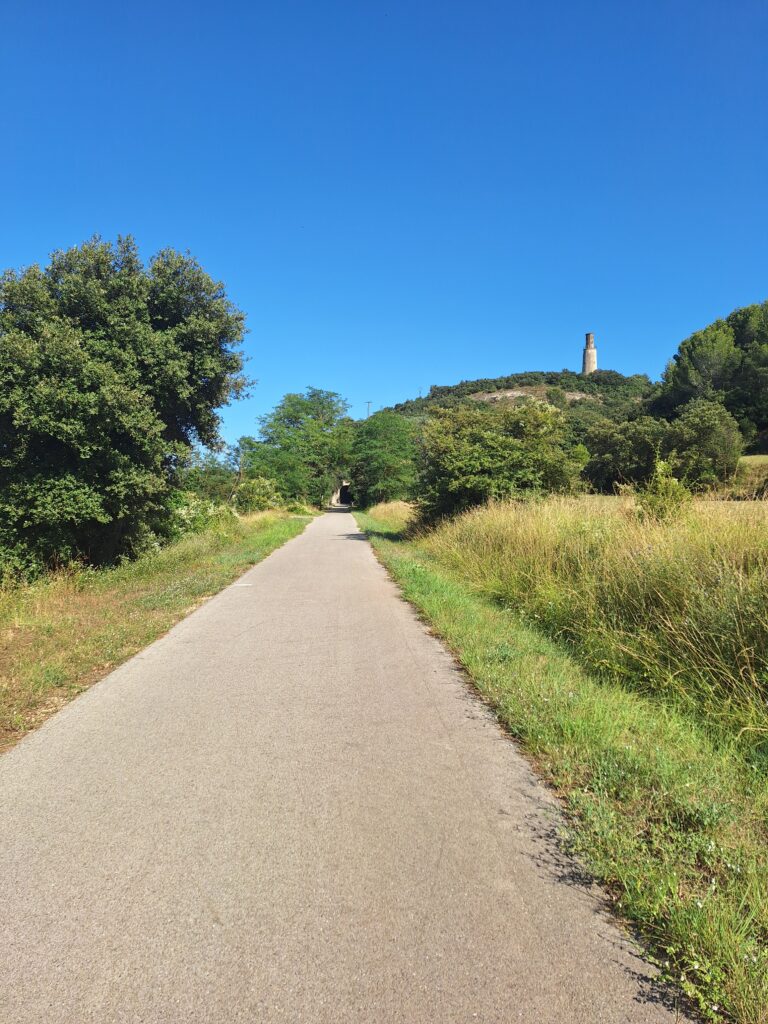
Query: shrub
x,y
623,453
705,444
210,476
192,514
664,496
257,494
472,453
299,508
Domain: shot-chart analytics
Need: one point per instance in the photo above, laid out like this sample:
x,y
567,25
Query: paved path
x,y
292,809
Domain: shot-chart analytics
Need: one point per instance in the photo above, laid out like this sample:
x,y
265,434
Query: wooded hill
x,y
725,362
602,395
605,387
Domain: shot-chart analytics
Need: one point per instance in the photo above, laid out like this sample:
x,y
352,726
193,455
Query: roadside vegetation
x,y
117,513
534,431
675,608
67,629
627,656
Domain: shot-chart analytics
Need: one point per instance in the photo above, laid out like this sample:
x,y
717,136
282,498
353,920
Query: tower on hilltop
x,y
589,359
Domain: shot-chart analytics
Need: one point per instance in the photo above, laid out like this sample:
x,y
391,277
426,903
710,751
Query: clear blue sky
x,y
405,193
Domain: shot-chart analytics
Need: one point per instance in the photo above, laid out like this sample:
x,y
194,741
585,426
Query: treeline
x,y
450,459
611,393
458,447
304,448
455,457
112,372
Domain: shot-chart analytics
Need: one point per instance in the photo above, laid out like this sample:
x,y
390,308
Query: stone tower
x,y
589,360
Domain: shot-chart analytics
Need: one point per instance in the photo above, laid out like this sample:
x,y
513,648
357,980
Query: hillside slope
x,y
603,393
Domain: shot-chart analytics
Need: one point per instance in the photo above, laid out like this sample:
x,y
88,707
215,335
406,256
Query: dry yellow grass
x,y
751,476
396,514
676,608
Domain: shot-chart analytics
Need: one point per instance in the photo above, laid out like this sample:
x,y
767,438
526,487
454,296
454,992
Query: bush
x,y
473,453
209,476
192,514
18,566
623,453
299,508
257,494
663,497
705,444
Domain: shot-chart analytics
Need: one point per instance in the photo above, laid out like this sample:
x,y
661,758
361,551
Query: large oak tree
x,y
109,372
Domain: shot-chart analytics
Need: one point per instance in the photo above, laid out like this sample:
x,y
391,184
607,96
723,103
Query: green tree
x,y
109,372
383,458
728,360
474,452
303,445
621,453
748,400
704,444
704,365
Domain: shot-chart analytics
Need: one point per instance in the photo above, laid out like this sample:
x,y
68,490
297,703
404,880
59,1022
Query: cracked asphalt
x,y
292,808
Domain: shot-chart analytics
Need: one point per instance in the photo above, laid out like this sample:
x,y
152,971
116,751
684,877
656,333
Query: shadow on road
x,y
554,859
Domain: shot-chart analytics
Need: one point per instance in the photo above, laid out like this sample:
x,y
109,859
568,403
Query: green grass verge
x,y
669,818
65,631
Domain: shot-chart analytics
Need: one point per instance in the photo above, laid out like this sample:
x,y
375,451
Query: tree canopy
x,y
728,362
383,458
303,445
702,445
109,371
475,452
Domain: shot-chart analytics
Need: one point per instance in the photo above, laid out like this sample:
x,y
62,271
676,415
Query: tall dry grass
x,y
397,515
675,608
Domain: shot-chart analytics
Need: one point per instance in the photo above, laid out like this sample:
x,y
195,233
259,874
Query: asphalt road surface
x,y
292,808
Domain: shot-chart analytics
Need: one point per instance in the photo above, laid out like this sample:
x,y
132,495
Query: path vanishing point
x,y
292,808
